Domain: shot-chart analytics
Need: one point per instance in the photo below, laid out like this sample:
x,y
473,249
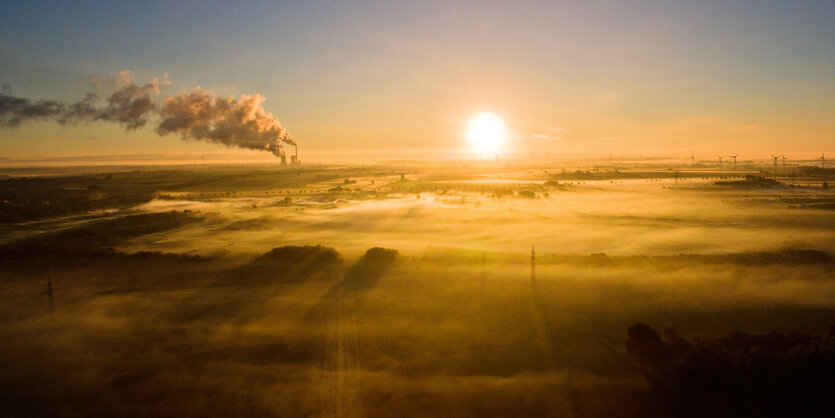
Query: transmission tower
x,y
533,268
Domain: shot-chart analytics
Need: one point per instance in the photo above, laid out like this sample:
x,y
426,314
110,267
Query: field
x,y
399,289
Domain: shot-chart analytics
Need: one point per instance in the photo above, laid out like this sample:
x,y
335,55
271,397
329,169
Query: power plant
x,y
277,149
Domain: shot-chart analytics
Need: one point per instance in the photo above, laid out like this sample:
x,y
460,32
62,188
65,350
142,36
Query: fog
x,y
630,219
355,291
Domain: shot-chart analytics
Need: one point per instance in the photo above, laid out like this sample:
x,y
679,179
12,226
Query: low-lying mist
x,y
367,293
618,221
416,336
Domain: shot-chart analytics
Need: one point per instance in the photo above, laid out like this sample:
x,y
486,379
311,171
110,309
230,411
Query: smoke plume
x,y
14,110
203,116
198,115
129,105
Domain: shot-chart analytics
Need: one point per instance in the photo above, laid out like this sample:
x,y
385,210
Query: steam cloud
x,y
203,116
198,115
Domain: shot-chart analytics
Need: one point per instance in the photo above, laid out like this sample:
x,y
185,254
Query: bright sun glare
x,y
486,133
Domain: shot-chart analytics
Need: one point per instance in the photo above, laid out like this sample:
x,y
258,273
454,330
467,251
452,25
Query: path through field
x,y
342,358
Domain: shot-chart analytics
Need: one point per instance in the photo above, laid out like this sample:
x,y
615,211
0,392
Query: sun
x,y
486,133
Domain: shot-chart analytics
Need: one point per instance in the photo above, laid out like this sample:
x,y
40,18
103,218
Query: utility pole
x,y
533,268
49,293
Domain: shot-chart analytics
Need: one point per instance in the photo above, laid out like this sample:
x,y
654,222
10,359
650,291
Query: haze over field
x,y
567,209
216,273
617,219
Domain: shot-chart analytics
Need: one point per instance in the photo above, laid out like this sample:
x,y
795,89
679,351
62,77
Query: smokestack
x,y
295,158
277,149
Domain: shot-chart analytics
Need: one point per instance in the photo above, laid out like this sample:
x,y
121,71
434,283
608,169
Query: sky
x,y
400,79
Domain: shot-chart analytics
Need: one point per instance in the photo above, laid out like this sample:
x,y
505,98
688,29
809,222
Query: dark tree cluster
x,y
371,267
290,263
752,182
739,375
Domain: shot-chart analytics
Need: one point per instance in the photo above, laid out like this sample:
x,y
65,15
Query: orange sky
x,y
400,81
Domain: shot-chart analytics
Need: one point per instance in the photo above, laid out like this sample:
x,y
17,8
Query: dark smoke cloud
x,y
198,115
132,104
82,110
129,105
14,110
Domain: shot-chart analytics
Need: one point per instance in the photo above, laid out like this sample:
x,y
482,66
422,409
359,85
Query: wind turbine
x,y
775,164
784,160
734,157
693,160
823,160
720,161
